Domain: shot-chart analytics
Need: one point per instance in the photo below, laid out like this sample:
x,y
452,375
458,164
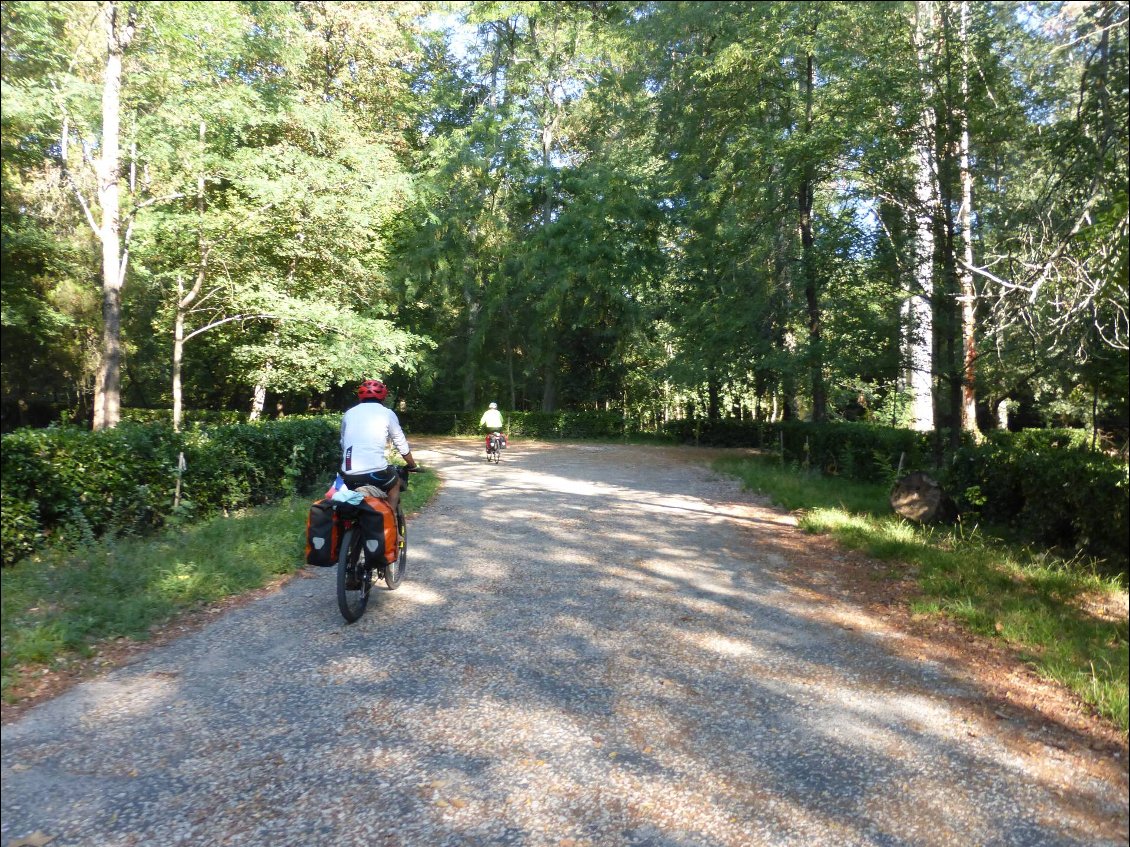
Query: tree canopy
x,y
912,212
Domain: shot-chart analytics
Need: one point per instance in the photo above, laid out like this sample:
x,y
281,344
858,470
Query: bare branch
x,y
70,180
222,321
214,324
985,273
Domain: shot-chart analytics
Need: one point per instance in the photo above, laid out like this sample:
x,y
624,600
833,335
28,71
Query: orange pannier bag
x,y
378,529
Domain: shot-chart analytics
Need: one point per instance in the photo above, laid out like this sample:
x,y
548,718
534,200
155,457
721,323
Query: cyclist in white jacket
x,y
492,420
366,430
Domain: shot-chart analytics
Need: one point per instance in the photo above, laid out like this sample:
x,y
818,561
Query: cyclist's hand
x,y
416,469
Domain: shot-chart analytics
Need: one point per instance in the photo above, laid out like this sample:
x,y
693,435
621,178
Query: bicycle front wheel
x,y
354,577
395,571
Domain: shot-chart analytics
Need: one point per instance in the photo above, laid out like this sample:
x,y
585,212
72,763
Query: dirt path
x,y
597,645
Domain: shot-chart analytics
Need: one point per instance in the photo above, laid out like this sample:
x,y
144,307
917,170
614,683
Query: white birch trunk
x,y
258,401
185,301
107,388
178,359
259,393
918,329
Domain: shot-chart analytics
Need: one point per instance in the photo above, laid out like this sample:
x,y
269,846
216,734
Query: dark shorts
x,y
382,479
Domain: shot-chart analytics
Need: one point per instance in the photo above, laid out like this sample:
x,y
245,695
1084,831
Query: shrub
x,y
860,451
1049,488
66,483
724,433
866,452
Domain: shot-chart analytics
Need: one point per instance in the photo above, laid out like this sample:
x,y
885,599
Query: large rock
x,y
919,497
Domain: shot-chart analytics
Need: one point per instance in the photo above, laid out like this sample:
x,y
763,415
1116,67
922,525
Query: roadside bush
x,y
864,452
439,423
1049,488
859,451
65,483
1045,484
724,433
71,479
567,424
1041,439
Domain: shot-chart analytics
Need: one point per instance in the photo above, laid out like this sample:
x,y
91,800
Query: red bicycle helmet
x,y
372,389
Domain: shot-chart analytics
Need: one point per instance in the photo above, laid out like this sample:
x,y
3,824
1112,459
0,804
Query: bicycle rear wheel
x,y
394,572
354,577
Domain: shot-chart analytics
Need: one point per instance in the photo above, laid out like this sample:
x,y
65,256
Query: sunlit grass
x,y
59,604
1030,599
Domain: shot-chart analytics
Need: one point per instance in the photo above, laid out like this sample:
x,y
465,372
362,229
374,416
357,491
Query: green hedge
x,y
520,424
857,451
1049,487
725,433
68,484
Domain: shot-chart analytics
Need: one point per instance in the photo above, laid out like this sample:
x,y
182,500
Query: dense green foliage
x,y
1053,494
677,210
71,485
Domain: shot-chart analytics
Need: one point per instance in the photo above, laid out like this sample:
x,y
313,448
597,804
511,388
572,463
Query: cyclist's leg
x,y
393,492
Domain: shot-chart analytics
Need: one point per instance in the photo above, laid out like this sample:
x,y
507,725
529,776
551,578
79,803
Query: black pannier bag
x,y
322,535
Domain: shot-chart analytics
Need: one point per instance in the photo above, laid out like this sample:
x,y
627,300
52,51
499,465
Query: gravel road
x,y
590,650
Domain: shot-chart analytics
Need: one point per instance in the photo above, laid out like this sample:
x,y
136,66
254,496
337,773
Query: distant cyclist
x,y
492,420
366,430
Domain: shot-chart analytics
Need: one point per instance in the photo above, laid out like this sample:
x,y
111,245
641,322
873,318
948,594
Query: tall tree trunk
x,y
470,373
549,354
258,402
917,314
713,392
788,405
808,268
947,324
968,293
107,389
259,393
510,355
178,359
782,384
185,301
549,383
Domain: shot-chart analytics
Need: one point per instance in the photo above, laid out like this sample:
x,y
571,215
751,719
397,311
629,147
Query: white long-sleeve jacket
x,y
366,430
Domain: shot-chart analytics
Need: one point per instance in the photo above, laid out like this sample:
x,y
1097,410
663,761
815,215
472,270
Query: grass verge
x,y
59,604
1033,600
